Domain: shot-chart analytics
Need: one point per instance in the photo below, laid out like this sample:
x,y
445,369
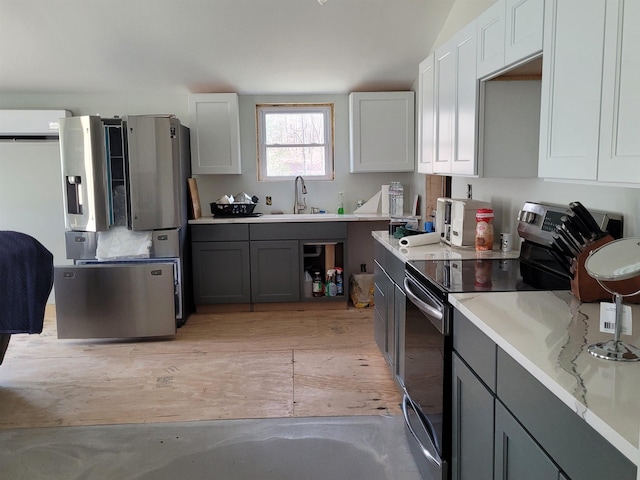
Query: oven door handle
x,y
424,307
430,452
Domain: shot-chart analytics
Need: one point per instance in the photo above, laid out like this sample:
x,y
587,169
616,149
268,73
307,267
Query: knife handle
x,y
587,218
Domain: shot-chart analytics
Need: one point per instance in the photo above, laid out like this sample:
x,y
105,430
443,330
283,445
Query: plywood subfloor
x,y
218,366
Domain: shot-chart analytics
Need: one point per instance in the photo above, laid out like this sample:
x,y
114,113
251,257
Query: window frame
x,y
327,109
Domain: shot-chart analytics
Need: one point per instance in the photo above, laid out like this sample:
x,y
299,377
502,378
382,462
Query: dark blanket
x,y
26,279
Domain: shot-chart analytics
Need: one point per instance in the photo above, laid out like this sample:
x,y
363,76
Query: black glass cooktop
x,y
485,275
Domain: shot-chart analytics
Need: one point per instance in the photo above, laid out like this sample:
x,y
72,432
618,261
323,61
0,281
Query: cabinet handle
x,y
434,313
431,453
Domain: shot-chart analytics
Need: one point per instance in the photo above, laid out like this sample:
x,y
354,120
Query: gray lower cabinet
x,y
275,271
383,328
221,272
220,261
535,435
579,450
472,423
261,263
396,329
517,455
389,303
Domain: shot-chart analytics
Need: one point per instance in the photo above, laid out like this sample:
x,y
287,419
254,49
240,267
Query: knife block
x,y
587,289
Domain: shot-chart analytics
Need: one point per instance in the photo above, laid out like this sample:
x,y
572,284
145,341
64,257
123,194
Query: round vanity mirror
x,y
616,263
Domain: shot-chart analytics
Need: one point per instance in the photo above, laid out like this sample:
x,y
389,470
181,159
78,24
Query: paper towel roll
x,y
421,239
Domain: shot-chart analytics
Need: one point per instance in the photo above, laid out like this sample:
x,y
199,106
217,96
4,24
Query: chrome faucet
x,y
300,190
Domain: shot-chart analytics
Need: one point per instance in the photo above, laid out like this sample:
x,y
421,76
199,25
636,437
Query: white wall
x,y
508,195
322,194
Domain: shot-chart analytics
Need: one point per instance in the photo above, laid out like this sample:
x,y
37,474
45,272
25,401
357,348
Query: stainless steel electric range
x,y
424,340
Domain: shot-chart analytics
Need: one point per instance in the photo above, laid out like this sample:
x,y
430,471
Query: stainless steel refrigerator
x,y
125,202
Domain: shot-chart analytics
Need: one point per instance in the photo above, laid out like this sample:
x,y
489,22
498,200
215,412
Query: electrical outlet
x,y
268,200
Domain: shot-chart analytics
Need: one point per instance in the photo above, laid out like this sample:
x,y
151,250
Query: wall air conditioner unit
x,y
30,124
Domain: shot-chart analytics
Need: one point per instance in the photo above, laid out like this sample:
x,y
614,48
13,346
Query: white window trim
x,y
327,109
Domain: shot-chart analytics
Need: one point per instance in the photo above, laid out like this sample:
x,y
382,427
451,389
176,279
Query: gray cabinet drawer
x,y
475,348
580,451
232,232
298,231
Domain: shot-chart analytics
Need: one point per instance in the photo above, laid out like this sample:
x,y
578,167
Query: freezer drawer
x,y
130,300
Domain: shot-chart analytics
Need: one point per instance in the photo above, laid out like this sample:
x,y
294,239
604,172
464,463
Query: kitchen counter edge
x,y
288,218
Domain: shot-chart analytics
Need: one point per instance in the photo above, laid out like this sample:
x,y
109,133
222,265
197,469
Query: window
x,y
295,140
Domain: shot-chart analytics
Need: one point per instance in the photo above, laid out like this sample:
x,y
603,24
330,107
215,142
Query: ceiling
x,y
198,46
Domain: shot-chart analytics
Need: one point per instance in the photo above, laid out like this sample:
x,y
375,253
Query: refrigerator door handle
x,y
430,451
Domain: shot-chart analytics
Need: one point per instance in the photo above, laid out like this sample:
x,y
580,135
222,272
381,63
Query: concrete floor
x,y
327,448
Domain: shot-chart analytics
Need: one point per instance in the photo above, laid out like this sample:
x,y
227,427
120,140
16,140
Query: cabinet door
x,y
384,328
426,115
381,127
524,27
456,91
620,120
491,39
518,456
221,272
396,332
473,404
275,271
445,73
215,133
381,308
571,89
464,161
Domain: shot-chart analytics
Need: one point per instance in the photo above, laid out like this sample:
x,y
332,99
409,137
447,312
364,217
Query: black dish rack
x,y
232,209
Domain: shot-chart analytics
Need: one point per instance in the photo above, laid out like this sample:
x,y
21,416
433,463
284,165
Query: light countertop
x,y
303,217
437,251
548,333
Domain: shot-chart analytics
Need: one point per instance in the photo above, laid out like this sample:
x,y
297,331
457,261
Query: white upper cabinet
x,y
382,131
509,32
590,112
426,115
619,159
491,39
215,133
456,100
523,29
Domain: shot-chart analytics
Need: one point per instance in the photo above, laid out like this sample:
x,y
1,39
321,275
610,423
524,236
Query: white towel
x,y
120,242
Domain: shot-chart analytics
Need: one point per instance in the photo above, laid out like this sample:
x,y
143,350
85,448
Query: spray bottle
x,y
340,203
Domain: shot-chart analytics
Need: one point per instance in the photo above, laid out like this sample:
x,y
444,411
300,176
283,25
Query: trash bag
x,y
362,289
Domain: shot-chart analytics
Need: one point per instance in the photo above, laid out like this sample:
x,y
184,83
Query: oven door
x,y
422,373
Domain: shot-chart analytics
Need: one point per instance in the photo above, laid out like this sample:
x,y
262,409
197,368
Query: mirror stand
x,y
616,349
613,262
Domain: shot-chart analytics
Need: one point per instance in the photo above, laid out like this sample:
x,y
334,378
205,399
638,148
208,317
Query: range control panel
x,y
537,221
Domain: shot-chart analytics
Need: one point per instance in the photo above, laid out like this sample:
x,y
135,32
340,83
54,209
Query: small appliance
x,y
456,220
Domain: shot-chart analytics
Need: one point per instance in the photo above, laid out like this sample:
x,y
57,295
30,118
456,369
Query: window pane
x,y
292,161
294,129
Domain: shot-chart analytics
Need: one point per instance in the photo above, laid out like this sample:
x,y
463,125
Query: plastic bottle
x,y
484,229
339,282
392,198
341,203
316,286
331,288
399,202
